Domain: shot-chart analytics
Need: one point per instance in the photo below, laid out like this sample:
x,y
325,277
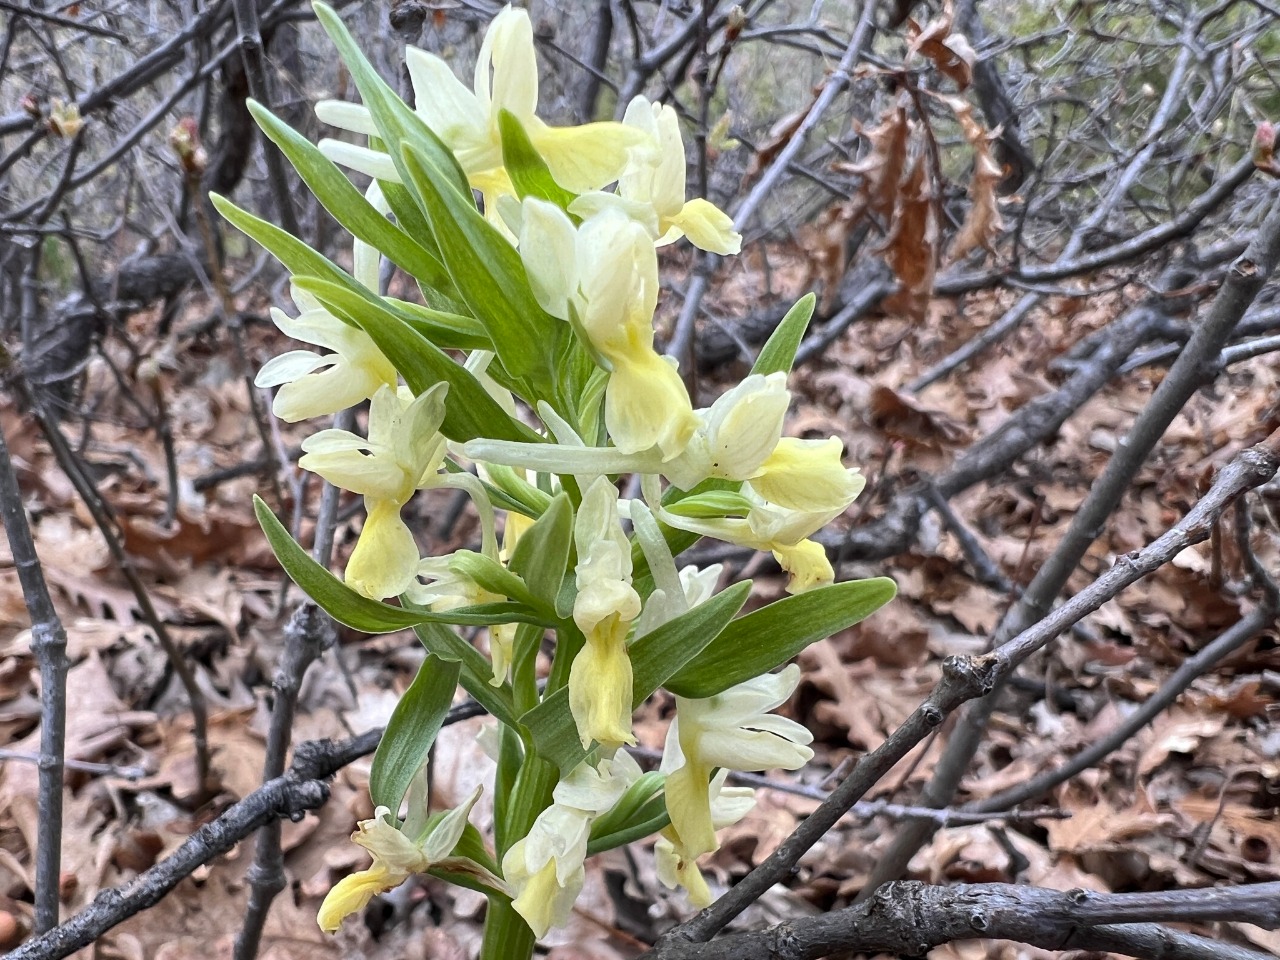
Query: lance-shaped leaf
x,y
469,411
489,276
294,255
450,330
358,611
779,352
349,206
765,638
411,731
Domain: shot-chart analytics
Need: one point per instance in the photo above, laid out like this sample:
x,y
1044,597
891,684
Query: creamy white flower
x,y
603,276
660,184
600,677
733,731
580,158
545,868
676,867
396,857
316,384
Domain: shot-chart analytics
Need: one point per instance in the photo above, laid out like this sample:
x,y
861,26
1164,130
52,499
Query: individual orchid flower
x,y
448,588
783,532
733,731
603,276
580,158
403,447
396,857
314,384
545,868
676,867
807,475
734,439
660,184
600,677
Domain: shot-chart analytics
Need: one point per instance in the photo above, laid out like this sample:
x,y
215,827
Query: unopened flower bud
x,y
736,20
64,119
30,105
184,138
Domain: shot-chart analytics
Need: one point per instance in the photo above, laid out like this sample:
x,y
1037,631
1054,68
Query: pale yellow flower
x,y
733,731
676,866
396,857
600,677
315,384
580,158
660,183
403,450
603,276
545,868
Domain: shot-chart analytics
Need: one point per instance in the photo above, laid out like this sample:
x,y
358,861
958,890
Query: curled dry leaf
x,y
949,52
982,223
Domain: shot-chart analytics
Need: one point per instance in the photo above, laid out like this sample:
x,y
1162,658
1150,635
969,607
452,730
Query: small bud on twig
x,y
184,138
64,119
1264,148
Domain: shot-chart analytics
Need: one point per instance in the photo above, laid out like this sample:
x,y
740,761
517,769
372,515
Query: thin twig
x,y
966,678
1244,281
909,919
49,644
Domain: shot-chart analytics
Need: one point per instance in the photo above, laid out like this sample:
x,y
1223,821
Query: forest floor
x,y
1192,800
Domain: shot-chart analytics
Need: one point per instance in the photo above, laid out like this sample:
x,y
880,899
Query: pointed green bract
x,y
778,354
765,638
528,171
411,731
490,277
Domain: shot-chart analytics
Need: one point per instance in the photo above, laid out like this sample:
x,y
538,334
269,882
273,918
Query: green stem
x,y
506,935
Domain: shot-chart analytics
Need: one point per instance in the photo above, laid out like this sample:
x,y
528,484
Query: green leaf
x,y
654,657
348,205
542,552
411,731
779,353
772,635
442,642
528,171
294,255
490,277
714,503
469,410
452,331
358,611
396,121
660,653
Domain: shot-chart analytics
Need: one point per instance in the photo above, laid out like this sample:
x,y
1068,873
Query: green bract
x,y
527,378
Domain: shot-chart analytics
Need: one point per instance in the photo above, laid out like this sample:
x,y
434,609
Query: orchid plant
x,y
522,371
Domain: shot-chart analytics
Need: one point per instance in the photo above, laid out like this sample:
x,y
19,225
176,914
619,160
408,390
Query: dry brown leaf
x,y
982,223
950,52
